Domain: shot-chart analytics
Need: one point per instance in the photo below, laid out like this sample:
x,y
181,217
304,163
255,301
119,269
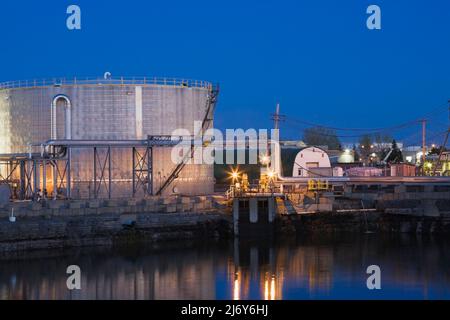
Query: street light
x,y
265,159
234,175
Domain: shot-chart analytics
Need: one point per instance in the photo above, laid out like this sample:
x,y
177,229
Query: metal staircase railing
x,y
211,103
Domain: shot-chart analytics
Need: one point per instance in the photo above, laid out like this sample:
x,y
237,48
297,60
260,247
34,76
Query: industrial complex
x,y
72,146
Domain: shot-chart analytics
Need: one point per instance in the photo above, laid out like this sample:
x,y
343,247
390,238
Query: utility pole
x,y
445,142
276,117
274,146
424,130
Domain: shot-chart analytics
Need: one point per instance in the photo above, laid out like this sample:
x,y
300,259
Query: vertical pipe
x,y
134,170
22,179
55,179
51,121
68,120
95,173
150,170
53,115
69,180
44,177
109,172
424,121
35,180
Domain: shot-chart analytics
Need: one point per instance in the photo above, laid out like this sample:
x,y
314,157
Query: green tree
x,y
436,150
396,155
356,155
321,136
365,142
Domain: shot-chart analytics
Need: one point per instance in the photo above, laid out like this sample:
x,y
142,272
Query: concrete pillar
x,y
253,203
272,209
236,216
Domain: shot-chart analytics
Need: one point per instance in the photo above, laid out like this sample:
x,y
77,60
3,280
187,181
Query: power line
x,y
348,135
369,130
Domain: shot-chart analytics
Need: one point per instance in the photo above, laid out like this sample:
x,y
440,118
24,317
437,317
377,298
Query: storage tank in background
x,y
32,112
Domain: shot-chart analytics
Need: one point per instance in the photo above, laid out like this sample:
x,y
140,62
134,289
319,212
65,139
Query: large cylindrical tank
x,y
33,112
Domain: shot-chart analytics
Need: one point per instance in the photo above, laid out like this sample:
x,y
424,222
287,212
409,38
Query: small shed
x,y
403,170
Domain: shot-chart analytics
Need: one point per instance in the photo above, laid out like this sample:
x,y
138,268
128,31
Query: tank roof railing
x,y
59,82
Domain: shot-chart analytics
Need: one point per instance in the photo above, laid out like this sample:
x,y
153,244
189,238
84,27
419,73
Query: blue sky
x,y
315,57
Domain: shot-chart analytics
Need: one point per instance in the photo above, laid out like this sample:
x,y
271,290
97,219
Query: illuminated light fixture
x,y
234,175
270,174
265,159
429,165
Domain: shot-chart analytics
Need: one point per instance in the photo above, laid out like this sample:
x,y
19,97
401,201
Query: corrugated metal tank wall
x,y
114,112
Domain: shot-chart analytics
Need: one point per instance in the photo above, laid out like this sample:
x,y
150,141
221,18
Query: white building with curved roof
x,y
312,161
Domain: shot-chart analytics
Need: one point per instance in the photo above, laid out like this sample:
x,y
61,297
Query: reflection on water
x,y
414,268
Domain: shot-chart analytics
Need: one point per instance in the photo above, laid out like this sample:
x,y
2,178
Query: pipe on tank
x,y
68,113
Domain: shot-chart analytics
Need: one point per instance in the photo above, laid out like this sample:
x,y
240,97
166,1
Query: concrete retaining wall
x,y
359,222
59,224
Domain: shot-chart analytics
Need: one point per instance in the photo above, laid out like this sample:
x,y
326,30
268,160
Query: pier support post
x,y
236,216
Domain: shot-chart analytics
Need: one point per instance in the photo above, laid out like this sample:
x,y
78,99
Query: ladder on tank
x,y
210,104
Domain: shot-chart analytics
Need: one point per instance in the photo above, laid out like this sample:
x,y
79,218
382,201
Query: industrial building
x,y
101,137
312,161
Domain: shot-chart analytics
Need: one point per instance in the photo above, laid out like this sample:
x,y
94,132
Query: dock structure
x,y
256,208
254,213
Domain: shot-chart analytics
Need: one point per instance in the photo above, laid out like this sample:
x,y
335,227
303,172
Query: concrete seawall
x,y
89,223
361,222
63,224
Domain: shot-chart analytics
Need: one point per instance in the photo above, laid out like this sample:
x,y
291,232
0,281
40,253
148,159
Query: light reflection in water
x,y
411,267
237,287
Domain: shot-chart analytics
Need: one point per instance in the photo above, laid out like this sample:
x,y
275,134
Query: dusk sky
x,y
316,57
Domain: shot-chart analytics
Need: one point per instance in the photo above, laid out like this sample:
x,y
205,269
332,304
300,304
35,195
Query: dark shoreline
x,y
109,229
126,229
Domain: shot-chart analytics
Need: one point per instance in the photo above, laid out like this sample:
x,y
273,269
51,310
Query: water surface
x,y
334,268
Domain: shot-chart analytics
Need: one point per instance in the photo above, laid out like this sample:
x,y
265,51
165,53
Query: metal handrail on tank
x,y
60,82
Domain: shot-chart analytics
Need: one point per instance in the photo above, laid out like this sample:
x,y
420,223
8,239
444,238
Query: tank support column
x,y
142,170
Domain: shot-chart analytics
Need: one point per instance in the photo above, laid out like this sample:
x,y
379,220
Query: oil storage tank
x,y
107,109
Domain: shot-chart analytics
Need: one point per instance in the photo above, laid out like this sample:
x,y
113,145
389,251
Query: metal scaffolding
x,y
23,172
142,171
